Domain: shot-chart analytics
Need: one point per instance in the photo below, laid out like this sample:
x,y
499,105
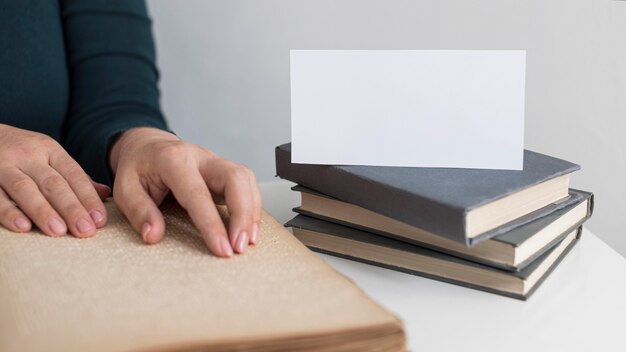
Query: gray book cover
x,y
434,199
329,228
514,237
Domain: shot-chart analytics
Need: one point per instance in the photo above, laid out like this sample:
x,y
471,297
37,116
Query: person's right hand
x,y
40,182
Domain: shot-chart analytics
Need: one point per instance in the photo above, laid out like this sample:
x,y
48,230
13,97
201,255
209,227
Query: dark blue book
x,y
512,251
350,243
462,205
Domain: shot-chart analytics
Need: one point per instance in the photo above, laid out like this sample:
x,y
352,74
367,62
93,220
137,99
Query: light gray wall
x,y
225,72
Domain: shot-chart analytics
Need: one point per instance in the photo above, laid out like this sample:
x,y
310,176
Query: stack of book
x,y
495,230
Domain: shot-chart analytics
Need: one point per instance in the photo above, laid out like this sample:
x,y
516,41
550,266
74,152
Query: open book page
x,y
112,292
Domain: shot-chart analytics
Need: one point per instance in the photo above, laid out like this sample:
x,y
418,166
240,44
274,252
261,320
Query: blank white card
x,y
426,108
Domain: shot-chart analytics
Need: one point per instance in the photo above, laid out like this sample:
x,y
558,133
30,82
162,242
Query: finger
x,y
239,199
84,190
233,182
25,193
11,217
61,196
133,200
193,194
103,190
257,210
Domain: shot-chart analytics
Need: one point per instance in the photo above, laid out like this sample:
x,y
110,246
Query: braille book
x,y
113,292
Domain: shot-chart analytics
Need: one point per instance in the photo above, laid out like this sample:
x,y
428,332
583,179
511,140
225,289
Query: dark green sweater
x,y
79,71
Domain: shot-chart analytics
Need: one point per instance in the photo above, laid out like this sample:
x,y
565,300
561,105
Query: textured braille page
x,y
114,293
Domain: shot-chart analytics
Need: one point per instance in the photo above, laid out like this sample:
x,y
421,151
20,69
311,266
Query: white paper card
x,y
428,108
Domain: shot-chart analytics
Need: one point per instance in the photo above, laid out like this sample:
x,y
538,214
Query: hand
x,y
148,163
40,182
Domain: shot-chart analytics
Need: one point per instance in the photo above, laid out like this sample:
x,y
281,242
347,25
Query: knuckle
x,y
208,153
33,139
40,137
42,211
120,194
245,170
76,175
195,195
20,153
122,205
7,212
238,172
135,214
52,183
251,175
27,145
215,227
41,141
73,211
91,202
173,150
20,183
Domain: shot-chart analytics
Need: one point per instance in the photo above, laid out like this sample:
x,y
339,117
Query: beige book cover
x,y
112,292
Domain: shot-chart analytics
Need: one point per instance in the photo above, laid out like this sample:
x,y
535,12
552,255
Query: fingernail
x,y
22,223
255,232
226,248
242,242
96,216
83,225
57,226
145,230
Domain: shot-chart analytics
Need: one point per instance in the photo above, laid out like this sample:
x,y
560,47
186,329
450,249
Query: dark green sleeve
x,y
113,78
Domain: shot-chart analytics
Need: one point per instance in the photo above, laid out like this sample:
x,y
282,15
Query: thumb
x,y
103,190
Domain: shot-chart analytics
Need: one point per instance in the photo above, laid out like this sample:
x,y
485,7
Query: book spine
x,y
591,204
395,203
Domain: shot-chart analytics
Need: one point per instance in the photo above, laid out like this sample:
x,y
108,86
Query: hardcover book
x,y
350,243
463,205
112,292
512,250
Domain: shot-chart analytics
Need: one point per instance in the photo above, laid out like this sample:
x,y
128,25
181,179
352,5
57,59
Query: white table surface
x,y
581,306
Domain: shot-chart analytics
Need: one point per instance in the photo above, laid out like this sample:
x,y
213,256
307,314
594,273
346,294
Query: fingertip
x,y
145,231
151,233
56,227
22,224
99,217
219,245
255,233
227,249
241,244
84,228
153,228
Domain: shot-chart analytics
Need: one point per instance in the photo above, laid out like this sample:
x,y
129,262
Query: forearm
x,y
113,84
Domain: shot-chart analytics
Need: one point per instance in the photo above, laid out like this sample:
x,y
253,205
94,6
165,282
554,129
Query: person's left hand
x,y
148,163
